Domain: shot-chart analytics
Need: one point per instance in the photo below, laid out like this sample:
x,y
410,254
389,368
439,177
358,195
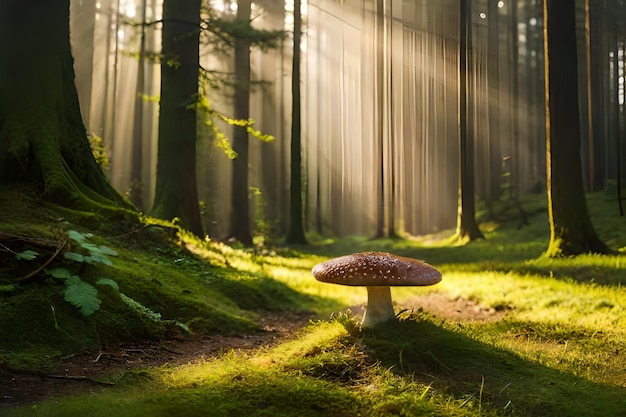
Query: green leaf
x,y
107,250
27,255
73,280
59,273
98,250
73,256
109,282
89,246
83,296
76,236
95,258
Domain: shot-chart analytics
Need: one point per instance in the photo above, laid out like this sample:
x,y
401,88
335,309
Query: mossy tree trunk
x,y
176,183
42,136
571,230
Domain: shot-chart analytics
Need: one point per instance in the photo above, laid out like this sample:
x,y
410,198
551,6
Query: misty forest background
x,y
380,104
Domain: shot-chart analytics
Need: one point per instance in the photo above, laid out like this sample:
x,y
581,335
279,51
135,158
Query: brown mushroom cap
x,y
376,269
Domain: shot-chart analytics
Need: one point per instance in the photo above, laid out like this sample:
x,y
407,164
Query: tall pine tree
x,y
295,234
176,186
571,231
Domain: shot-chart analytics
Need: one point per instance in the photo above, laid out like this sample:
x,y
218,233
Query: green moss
x,y
448,359
152,268
37,319
253,392
558,350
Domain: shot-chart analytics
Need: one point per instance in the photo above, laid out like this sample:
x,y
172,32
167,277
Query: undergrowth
x,y
118,282
557,348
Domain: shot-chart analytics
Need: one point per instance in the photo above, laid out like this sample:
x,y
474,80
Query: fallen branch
x,y
169,229
79,378
56,253
35,241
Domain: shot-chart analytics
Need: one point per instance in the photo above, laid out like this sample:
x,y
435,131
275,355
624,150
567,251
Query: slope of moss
x,y
157,287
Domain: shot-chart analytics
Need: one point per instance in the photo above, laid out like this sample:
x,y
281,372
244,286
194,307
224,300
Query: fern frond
x,y
83,296
59,273
109,282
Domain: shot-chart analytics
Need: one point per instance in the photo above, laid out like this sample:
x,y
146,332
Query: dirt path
x,y
83,373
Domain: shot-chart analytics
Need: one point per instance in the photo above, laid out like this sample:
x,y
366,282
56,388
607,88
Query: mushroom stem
x,y
379,307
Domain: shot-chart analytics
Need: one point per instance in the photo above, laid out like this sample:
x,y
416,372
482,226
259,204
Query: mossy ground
x,y
552,342
153,267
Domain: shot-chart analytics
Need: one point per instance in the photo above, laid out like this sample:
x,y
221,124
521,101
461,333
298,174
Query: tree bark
x,y
42,136
571,231
136,191
295,233
599,150
82,27
493,190
240,210
515,179
380,118
176,183
467,228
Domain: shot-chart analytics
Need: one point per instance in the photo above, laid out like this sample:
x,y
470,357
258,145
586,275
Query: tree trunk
x,y
296,225
515,137
588,123
42,136
240,211
136,192
380,117
493,189
82,27
600,150
176,187
467,228
571,231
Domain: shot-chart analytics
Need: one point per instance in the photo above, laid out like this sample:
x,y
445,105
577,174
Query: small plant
x,y
79,293
27,255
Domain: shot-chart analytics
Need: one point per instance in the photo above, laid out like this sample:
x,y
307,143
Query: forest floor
x,y
88,372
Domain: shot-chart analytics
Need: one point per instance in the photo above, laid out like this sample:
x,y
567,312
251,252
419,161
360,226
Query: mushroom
x,y
377,271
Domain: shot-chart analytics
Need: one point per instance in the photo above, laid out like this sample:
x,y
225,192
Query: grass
x,y
560,349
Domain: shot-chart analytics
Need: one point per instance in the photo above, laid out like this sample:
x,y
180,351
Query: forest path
x,y
87,372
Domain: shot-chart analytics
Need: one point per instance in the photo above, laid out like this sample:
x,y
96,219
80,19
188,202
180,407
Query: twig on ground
x,y
30,276
79,378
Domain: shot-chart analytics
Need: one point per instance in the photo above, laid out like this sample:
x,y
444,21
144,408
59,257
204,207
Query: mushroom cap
x,y
376,269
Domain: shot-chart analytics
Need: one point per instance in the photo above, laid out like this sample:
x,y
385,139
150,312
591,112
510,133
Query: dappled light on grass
x,y
456,361
420,365
423,365
320,336
292,269
597,269
329,357
538,298
554,344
